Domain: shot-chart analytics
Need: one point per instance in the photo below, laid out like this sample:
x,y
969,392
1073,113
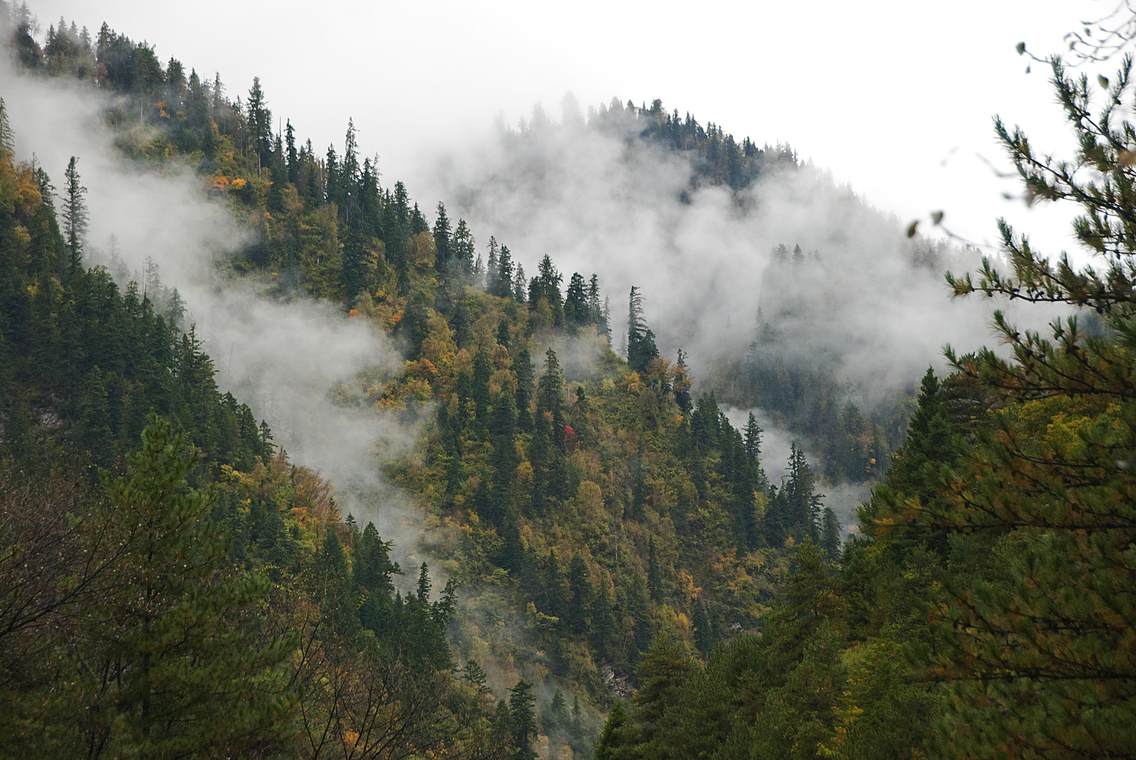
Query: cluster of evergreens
x,y
531,465
986,609
202,595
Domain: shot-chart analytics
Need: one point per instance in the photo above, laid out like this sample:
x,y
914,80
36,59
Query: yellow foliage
x,y
687,587
438,346
420,250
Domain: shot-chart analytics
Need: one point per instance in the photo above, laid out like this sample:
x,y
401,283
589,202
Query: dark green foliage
x,y
99,359
640,340
74,216
522,722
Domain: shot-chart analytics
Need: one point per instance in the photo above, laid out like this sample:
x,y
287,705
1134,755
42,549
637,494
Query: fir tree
x,y
641,348
522,721
75,216
442,239
576,313
830,534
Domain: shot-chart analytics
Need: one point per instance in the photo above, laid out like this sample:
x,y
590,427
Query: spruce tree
x,y
442,239
522,721
522,365
75,216
641,348
830,534
576,313
179,627
259,123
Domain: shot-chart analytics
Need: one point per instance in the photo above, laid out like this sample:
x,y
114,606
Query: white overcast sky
x,y
895,98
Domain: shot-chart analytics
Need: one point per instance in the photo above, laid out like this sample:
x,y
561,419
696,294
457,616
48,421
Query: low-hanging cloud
x,y
601,200
285,359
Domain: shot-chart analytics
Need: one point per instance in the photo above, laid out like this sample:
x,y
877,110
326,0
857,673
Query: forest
x,y
605,561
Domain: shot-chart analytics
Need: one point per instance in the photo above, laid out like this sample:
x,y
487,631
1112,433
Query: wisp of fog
x,y
601,200
284,359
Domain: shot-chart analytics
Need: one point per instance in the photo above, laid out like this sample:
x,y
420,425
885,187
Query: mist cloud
x,y
285,359
601,200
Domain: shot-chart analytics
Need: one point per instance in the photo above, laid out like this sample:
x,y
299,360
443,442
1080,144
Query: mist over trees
x,y
312,467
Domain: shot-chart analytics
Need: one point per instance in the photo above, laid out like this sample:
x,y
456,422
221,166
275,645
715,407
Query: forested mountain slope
x,y
599,499
613,545
986,609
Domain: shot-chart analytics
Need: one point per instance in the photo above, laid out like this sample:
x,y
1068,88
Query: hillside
x,y
295,464
578,509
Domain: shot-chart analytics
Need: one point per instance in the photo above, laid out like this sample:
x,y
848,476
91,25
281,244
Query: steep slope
x,y
605,505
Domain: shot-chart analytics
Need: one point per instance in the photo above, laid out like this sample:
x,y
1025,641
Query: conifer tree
x,y
576,312
522,721
491,271
291,157
442,239
504,457
681,384
523,367
595,306
75,215
830,534
641,348
462,248
519,284
753,439
259,123
187,677
503,276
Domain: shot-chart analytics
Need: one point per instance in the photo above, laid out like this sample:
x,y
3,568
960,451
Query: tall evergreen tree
x,y
442,239
522,721
75,216
259,123
641,348
576,312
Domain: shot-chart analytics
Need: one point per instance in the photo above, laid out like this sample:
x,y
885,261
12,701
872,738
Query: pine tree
x,y
259,123
291,157
75,216
504,459
665,668
491,271
576,312
641,348
522,721
524,369
187,677
682,384
595,306
442,239
753,439
519,284
503,275
830,534
482,369
615,741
